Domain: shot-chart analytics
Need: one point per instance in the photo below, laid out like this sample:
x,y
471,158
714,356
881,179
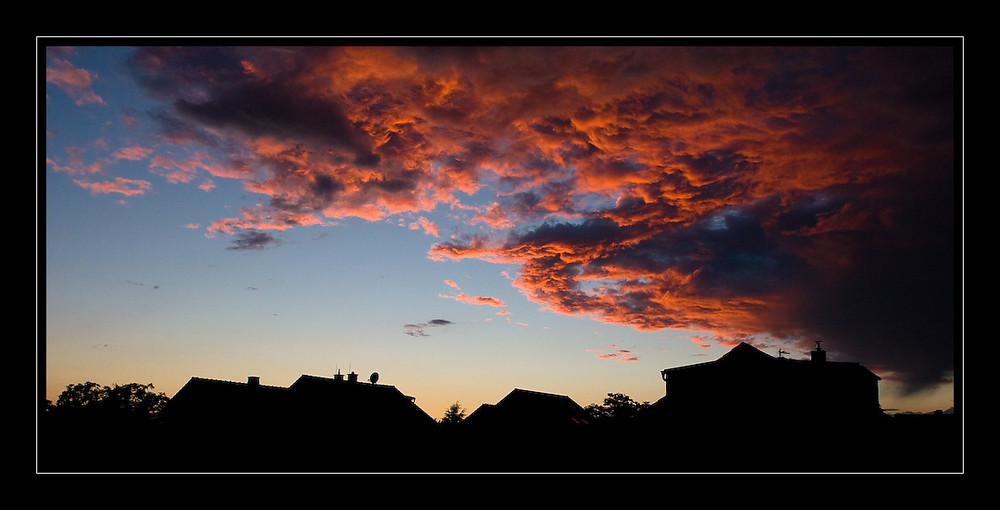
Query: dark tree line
x,y
90,401
617,408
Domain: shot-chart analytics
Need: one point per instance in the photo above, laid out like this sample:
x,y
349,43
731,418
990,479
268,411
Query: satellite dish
x,y
373,378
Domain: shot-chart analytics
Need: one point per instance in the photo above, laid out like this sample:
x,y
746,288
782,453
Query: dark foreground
x,y
911,444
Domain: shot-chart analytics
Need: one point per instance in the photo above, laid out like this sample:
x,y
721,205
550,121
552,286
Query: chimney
x,y
352,377
338,376
253,381
818,355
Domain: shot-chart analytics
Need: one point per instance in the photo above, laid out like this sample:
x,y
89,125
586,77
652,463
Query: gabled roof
x,y
522,397
228,390
747,356
309,396
747,353
330,386
522,406
742,353
206,400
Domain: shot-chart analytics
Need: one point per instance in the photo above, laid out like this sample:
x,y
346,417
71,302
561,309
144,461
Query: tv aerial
x,y
373,378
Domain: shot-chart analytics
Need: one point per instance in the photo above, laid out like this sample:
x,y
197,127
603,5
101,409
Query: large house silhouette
x,y
311,402
316,424
747,384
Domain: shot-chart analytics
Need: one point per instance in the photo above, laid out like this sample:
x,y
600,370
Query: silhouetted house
x,y
212,405
526,410
747,383
359,405
310,404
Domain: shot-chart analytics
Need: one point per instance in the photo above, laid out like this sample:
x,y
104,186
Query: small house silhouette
x,y
526,431
529,410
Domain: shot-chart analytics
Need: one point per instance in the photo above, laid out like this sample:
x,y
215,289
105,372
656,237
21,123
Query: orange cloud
x,y
259,219
127,187
619,355
475,300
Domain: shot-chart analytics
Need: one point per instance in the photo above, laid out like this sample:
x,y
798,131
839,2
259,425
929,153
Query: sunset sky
x,y
466,217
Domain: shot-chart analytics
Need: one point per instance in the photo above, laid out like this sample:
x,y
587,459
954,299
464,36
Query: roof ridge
x,y
234,383
538,392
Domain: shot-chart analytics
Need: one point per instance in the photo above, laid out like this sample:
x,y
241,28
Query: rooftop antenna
x,y
780,352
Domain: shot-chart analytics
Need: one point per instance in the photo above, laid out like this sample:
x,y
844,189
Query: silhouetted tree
x,y
91,401
78,396
616,407
455,414
98,428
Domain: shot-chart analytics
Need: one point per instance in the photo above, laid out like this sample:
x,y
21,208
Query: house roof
x,y
745,351
224,390
331,386
308,395
529,406
530,399
746,355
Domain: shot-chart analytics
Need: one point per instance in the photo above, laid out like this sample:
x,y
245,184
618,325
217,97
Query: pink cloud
x,y
475,300
259,218
617,354
133,153
427,225
75,82
76,163
128,187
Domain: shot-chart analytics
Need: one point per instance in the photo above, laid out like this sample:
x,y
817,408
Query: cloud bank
x,y
801,193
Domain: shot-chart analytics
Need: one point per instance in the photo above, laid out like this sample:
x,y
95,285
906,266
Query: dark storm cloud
x,y
212,87
895,301
275,110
